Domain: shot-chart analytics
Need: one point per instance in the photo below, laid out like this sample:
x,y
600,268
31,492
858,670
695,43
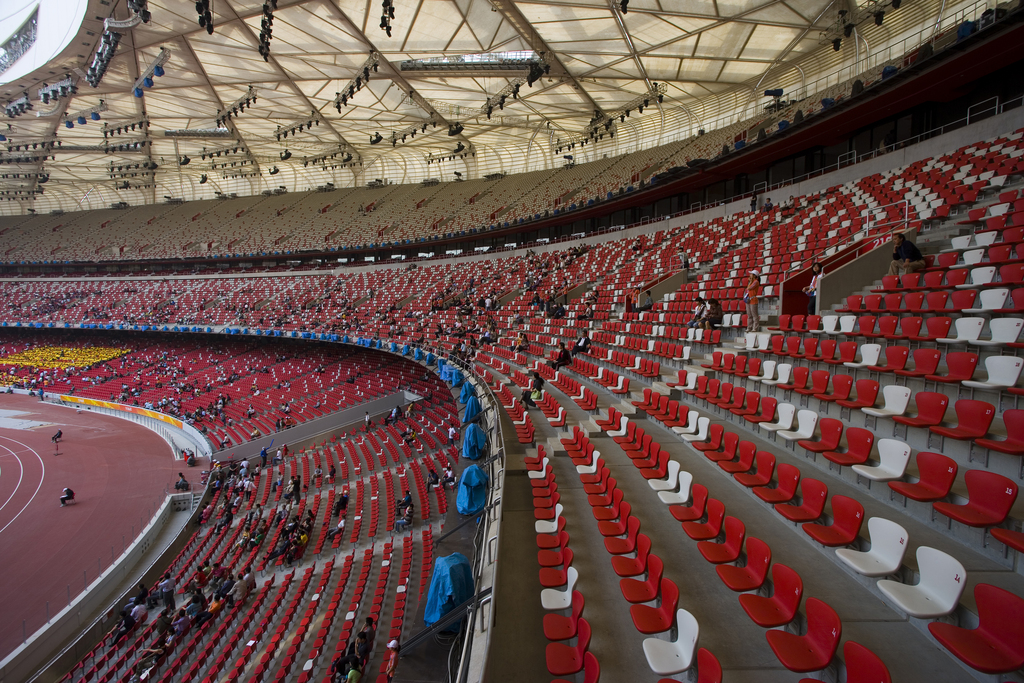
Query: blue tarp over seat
x,y
467,390
450,585
474,441
472,409
472,495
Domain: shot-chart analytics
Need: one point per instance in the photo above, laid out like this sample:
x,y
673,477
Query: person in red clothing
x,y
391,663
750,298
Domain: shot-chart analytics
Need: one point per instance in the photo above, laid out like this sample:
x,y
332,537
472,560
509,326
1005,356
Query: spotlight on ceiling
x,y
837,43
184,161
203,179
376,138
623,6
286,155
274,171
879,17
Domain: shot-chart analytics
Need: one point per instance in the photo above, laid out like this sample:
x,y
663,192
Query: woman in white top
x,y
811,290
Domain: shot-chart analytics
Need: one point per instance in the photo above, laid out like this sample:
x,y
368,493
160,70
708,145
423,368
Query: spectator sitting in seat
x,y
181,623
698,313
906,256
405,502
280,550
406,519
139,612
239,592
582,344
341,666
210,612
362,648
433,481
149,657
562,359
713,316
123,628
340,529
648,303
226,518
341,505
164,622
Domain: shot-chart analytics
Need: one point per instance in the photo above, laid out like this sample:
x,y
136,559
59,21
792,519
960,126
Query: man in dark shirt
x,y
905,256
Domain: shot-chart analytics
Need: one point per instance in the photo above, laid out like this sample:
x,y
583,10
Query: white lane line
x,y
21,476
42,477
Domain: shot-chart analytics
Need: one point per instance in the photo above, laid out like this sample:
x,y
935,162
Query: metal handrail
x,y
457,613
828,254
489,527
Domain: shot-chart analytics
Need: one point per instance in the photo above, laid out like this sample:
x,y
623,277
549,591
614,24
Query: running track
x,y
117,469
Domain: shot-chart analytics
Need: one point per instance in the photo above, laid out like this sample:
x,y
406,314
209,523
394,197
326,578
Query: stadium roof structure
x,y
347,93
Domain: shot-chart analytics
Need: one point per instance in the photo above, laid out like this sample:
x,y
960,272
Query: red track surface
x,y
117,469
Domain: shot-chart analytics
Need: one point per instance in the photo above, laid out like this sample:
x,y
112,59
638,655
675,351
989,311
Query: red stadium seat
x,y
931,409
729,549
750,576
847,516
997,645
565,660
973,418
788,479
781,607
813,651
937,474
990,497
812,495
862,665
658,619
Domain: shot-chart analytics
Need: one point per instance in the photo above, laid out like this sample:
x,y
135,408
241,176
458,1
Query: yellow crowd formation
x,y
63,356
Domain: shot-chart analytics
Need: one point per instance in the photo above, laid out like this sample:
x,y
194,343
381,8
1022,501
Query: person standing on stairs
x,y
811,290
750,299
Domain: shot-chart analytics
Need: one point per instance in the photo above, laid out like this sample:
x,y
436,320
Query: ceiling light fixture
x,y
387,13
205,15
342,97
101,60
156,68
239,105
267,28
